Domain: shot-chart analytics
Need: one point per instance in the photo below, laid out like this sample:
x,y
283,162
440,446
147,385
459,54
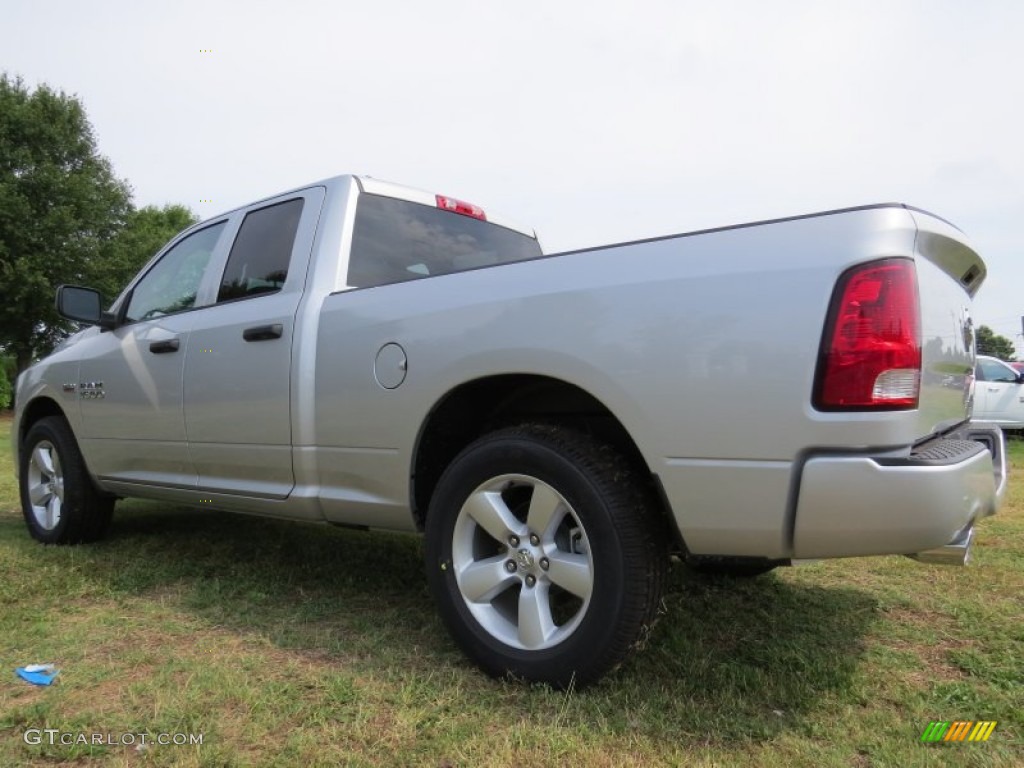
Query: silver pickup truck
x,y
363,354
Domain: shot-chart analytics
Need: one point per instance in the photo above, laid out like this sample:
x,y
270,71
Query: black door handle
x,y
263,332
163,347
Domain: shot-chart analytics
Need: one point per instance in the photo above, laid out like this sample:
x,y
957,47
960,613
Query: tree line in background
x,y
64,218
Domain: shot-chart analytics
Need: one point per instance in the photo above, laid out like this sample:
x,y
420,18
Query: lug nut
x,y
513,540
544,563
510,566
531,580
534,539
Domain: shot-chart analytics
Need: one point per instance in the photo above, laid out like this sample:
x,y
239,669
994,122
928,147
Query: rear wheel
x,y
544,555
58,499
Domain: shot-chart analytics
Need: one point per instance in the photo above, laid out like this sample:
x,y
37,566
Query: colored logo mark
x,y
959,730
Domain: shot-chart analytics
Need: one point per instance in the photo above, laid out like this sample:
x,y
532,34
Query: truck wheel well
x,y
38,409
485,405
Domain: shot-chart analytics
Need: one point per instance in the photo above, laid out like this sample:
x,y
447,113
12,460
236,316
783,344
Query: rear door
x,y
237,380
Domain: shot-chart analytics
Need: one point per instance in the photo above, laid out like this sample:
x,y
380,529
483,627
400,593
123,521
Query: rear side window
x,y
258,262
395,240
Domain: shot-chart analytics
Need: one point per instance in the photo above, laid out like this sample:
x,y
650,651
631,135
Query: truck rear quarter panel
x,y
704,346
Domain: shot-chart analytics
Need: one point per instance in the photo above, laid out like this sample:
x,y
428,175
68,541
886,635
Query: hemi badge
x,y
69,387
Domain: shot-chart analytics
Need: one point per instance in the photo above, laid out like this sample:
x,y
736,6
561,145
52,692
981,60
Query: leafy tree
x,y
991,343
145,232
6,378
60,209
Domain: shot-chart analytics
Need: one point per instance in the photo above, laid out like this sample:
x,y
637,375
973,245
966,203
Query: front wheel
x,y
58,499
544,555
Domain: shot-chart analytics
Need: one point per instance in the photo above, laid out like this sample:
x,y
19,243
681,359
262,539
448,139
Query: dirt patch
x,y
934,656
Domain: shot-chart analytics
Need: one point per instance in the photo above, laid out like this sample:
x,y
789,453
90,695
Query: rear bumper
x,y
957,552
922,504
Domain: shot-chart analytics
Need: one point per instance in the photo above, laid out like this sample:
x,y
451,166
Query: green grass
x,y
289,644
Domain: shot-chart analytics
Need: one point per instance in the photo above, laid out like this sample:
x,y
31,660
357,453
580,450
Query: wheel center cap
x,y
524,558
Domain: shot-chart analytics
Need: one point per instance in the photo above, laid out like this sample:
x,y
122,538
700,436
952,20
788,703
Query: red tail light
x,y
871,352
459,206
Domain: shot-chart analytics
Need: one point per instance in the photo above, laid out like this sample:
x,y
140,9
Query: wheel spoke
x,y
535,622
38,494
544,506
42,458
483,580
493,515
53,507
571,572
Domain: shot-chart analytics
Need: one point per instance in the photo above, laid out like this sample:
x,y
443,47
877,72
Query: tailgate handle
x,y
163,347
263,332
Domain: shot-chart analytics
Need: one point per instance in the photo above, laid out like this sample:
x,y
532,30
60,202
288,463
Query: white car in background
x,y
998,393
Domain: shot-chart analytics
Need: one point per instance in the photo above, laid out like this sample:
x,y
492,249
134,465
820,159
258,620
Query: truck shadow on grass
x,y
729,660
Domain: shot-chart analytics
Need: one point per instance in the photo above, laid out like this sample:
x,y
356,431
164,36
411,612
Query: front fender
x,y
40,392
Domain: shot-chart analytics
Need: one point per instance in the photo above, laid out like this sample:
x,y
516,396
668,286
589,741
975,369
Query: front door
x,y
130,388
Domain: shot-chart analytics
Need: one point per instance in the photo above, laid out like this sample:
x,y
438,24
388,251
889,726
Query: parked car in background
x,y
998,393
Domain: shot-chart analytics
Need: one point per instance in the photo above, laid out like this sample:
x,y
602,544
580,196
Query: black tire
x,y
84,513
608,520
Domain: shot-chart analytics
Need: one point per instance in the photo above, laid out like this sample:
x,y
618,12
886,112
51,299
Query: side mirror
x,y
82,305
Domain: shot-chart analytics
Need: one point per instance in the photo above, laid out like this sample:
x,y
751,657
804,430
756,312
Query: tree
x,y
145,232
60,209
6,379
992,344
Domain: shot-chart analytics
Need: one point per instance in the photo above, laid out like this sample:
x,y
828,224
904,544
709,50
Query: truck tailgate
x,y
949,273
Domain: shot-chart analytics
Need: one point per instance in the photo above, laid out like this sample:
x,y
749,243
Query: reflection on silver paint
x,y
131,353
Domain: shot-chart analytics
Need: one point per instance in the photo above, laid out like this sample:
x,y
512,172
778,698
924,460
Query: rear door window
x,y
258,263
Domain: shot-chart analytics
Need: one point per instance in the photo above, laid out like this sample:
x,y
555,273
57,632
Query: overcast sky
x,y
591,121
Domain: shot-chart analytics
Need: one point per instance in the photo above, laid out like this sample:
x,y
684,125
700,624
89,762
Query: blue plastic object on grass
x,y
37,674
